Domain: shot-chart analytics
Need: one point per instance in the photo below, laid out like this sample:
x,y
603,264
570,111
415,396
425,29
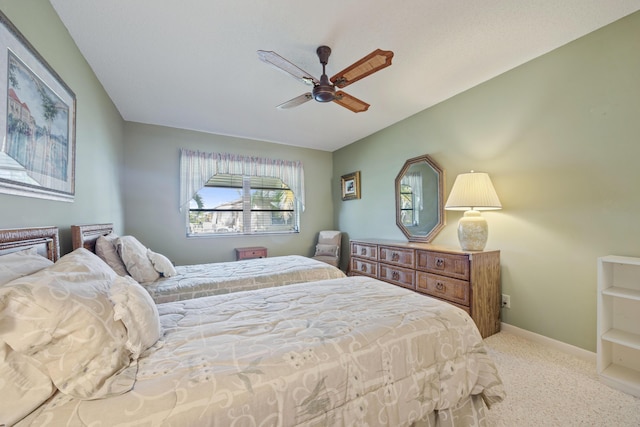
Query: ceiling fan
x,y
324,90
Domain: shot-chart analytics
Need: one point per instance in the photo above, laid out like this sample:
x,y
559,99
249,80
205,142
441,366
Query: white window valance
x,y
197,167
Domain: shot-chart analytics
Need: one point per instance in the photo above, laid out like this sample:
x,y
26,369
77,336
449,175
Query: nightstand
x,y
251,252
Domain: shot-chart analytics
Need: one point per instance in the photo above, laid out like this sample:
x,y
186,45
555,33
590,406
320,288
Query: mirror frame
x,y
442,221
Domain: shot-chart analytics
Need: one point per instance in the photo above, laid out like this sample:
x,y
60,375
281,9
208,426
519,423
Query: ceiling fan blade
x,y
296,101
375,61
350,102
282,64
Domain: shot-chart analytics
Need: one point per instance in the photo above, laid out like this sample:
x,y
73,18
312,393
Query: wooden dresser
x,y
469,280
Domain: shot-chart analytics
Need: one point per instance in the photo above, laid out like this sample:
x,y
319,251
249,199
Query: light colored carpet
x,y
547,387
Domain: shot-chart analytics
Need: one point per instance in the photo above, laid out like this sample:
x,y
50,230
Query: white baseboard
x,y
558,345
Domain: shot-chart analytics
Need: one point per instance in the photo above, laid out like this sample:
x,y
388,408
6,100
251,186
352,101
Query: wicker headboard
x,y
85,236
45,239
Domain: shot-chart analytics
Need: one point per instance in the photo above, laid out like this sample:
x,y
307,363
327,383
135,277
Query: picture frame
x,y
351,186
37,122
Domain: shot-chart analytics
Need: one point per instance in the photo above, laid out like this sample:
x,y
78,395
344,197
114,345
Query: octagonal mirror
x,y
419,199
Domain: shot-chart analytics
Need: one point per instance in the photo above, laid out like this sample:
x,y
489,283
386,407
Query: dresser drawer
x,y
404,257
251,252
363,267
364,250
451,265
443,287
397,275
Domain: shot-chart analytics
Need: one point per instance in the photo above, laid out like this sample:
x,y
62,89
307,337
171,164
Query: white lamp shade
x,y
473,190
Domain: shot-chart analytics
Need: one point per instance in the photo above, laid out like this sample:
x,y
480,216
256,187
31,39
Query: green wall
x,y
560,138
127,165
99,132
151,170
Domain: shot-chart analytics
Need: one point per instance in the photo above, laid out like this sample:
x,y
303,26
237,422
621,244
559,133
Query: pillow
x,y
106,250
326,250
62,318
135,308
23,386
21,263
161,264
134,255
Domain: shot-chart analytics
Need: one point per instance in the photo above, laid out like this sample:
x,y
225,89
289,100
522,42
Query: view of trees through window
x,y
243,205
407,205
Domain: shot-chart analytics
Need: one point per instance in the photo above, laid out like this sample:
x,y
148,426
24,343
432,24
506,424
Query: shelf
x,y
622,378
618,357
626,339
616,291
615,259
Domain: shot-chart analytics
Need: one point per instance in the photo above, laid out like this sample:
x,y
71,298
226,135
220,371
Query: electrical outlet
x,y
506,301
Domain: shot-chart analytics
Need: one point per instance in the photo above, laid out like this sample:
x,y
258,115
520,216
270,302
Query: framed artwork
x,y
351,186
37,122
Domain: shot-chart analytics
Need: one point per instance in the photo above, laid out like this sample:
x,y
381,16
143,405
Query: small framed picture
x,y
351,186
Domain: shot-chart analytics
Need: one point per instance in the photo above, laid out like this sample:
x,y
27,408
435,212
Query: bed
x,y
45,240
195,281
346,351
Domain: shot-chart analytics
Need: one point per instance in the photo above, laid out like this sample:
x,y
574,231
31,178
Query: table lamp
x,y
472,192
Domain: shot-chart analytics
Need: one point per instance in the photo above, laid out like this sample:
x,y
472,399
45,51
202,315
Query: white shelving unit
x,y
618,359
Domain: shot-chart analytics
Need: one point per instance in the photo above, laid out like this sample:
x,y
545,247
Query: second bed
x,y
199,280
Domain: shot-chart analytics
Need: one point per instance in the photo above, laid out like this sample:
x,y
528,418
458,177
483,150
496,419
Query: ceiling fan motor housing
x,y
325,91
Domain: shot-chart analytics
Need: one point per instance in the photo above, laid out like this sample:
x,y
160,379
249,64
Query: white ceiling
x,y
193,64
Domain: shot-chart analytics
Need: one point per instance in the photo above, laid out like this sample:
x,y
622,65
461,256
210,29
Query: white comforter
x,y
350,351
195,281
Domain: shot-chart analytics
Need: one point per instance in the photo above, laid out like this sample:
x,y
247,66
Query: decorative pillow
x,y
326,250
23,386
62,318
21,263
135,308
106,250
134,255
161,264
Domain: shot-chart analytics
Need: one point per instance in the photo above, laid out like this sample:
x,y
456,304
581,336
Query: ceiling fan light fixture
x,y
325,91
324,94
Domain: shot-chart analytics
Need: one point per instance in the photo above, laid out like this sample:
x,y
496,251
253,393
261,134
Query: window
x,y
406,204
230,193
411,198
243,205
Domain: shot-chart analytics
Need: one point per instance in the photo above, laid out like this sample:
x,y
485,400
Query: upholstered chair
x,y
328,247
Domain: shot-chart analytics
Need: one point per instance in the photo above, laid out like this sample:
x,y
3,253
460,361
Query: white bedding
x,y
348,351
166,283
195,281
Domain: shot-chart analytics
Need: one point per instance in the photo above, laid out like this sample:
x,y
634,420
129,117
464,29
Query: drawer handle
x,y
363,268
363,251
395,256
395,275
441,287
440,262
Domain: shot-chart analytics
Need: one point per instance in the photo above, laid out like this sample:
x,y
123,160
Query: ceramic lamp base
x,y
473,231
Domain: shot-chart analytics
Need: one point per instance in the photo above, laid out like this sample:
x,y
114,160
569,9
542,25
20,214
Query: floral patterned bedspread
x,y
352,351
195,281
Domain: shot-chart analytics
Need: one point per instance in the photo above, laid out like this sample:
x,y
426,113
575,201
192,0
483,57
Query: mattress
x,y
347,351
195,281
